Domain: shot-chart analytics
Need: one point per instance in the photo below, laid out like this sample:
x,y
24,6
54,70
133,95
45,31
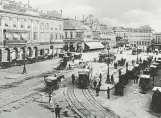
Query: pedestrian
x,y
140,60
155,59
100,77
108,93
69,67
57,111
94,84
116,65
153,80
126,65
126,70
97,91
73,78
119,72
50,96
99,84
112,79
137,77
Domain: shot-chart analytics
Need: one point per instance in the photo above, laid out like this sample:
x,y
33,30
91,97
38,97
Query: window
x,y
66,35
51,37
47,26
145,43
42,52
42,26
56,36
60,27
28,36
142,42
35,36
71,35
60,36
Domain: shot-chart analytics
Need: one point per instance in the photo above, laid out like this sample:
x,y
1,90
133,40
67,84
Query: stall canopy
x,y
23,35
8,35
15,35
94,45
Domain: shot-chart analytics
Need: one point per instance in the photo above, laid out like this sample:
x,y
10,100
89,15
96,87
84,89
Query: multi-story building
x,y
156,42
107,36
140,37
73,35
24,30
100,32
121,36
78,36
157,37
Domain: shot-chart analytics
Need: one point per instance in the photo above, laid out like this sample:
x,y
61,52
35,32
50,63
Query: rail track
x,y
21,92
83,102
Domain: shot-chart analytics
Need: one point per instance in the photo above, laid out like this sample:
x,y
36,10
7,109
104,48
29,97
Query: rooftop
x,y
18,7
72,24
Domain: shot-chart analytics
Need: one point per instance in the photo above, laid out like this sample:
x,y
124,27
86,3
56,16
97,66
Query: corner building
x,y
24,30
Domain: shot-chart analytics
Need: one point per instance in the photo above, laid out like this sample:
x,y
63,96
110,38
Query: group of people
x,y
97,85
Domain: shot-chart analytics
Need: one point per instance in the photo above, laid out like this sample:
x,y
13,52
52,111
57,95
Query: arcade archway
x,y
35,52
29,52
6,55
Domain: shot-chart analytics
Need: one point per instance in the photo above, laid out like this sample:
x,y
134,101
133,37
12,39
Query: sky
x,y
124,13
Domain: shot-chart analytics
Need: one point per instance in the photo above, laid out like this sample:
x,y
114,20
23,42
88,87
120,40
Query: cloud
x,y
112,12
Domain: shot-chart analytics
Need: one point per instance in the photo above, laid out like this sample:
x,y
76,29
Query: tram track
x,y
80,99
19,93
78,106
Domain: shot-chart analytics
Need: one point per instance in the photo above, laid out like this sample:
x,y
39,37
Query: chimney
x,y
83,18
28,3
75,17
61,12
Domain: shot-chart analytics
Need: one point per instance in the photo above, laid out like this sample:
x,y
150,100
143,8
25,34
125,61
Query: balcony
x,y
15,41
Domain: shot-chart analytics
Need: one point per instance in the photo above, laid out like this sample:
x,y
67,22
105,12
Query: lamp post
x,y
108,71
137,61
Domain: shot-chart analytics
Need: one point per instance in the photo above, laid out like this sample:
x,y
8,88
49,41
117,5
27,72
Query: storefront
x,y
93,46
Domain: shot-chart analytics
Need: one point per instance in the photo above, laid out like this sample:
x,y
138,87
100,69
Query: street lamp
x,y
24,63
137,56
108,71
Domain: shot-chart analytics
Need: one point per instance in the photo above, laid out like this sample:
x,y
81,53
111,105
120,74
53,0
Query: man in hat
x,y
73,78
112,79
57,111
94,84
100,77
97,90
119,72
108,93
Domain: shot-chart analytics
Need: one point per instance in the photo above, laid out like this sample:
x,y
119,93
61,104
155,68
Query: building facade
x,y
101,32
79,37
107,36
140,37
157,37
26,30
121,36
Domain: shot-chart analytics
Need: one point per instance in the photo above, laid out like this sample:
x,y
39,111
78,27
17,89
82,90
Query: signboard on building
x,y
13,6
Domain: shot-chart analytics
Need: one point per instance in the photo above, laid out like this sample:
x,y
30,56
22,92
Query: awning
x,y
8,35
94,45
15,35
23,35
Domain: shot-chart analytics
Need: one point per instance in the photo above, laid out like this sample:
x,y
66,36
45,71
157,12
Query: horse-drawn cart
x,y
52,82
119,89
145,82
156,99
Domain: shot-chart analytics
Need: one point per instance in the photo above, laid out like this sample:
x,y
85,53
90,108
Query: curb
x,y
114,84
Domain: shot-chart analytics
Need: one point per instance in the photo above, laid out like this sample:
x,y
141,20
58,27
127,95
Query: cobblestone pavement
x,y
40,106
